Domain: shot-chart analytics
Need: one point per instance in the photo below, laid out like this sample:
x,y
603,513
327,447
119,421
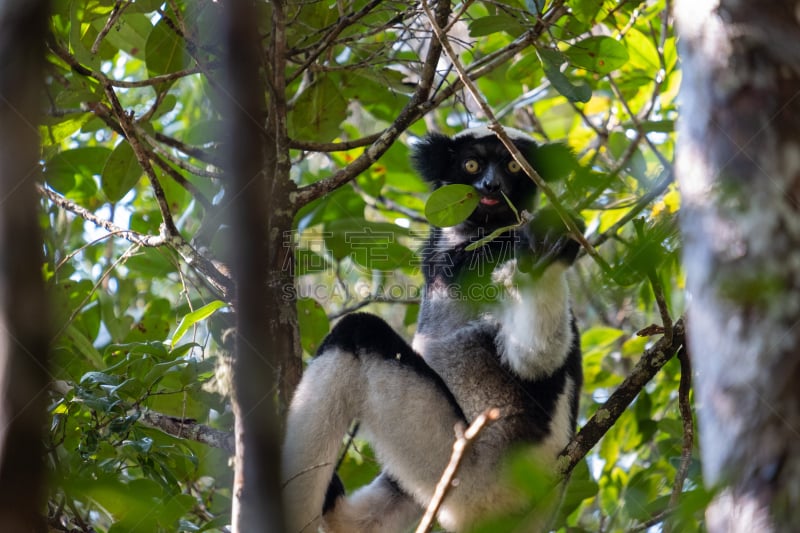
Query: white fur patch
x,y
535,334
479,132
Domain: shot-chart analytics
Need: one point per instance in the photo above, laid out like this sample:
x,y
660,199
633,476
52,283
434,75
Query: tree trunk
x,y
738,167
261,217
24,335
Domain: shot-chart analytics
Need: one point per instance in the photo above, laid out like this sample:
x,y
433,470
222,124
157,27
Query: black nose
x,y
489,183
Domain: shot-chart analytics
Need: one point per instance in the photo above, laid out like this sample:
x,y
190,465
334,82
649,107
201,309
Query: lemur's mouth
x,y
485,200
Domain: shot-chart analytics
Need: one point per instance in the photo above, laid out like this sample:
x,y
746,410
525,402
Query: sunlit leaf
x,y
451,204
598,54
313,322
194,317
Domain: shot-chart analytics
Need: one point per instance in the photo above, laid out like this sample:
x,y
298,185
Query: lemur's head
x,y
477,157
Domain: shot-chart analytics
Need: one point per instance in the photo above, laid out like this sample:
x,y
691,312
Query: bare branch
x,y
414,109
149,241
684,389
334,147
116,12
652,361
215,275
460,447
186,428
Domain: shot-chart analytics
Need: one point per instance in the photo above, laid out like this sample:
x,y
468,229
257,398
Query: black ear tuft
x,y
431,157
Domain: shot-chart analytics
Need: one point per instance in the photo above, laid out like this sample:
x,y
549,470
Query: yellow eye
x,y
513,167
472,166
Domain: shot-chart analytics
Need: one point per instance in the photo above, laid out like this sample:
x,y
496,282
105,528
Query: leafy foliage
x,y
132,152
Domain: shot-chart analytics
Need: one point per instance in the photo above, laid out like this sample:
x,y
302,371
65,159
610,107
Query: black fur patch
x,y
540,395
366,335
334,492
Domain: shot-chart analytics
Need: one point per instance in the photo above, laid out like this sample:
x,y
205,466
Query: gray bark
x,y
738,167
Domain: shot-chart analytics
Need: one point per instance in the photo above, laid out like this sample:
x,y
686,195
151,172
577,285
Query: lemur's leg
x,y
365,371
378,507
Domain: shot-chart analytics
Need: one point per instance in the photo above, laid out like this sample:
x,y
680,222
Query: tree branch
x,y
463,441
186,428
150,241
651,362
414,109
215,277
684,404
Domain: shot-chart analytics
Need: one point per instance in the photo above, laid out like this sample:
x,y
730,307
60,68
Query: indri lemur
x,y
514,347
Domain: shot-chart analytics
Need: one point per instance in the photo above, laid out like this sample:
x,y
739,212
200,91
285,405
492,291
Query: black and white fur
x,y
495,330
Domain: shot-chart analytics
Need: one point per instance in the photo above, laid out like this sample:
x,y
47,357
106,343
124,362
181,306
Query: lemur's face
x,y
486,165
478,158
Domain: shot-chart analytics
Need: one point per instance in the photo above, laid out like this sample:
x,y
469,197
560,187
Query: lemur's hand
x,y
550,240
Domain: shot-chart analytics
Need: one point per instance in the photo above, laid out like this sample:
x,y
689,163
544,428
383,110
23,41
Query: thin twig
x,y
141,239
684,389
184,428
341,24
655,191
185,165
341,146
116,12
417,106
460,446
213,274
191,151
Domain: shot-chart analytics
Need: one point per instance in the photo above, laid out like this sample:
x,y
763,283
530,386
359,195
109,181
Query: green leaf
x,y
451,204
194,317
165,51
78,49
313,322
67,169
494,24
344,202
98,378
527,66
373,245
129,34
554,161
599,336
318,112
120,173
642,51
587,10
598,54
575,92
